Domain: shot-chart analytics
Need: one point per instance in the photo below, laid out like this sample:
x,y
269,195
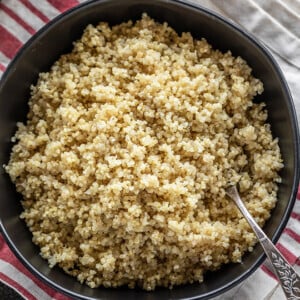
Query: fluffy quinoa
x,y
129,143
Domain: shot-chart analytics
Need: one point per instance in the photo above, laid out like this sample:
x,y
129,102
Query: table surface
x,y
8,293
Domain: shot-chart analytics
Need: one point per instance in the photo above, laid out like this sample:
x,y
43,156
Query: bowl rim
x,y
290,106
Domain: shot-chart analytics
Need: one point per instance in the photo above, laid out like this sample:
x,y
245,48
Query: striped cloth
x,y
20,19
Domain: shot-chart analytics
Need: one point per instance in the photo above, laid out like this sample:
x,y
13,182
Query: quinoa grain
x,y
129,143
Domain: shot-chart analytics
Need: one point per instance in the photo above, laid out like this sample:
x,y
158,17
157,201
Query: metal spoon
x,y
289,279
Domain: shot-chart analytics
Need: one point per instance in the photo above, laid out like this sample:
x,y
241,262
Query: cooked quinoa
x,y
129,143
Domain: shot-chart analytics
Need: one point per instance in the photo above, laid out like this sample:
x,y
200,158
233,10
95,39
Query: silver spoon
x,y
289,279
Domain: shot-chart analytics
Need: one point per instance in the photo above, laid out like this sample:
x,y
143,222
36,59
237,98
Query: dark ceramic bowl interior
x,y
55,39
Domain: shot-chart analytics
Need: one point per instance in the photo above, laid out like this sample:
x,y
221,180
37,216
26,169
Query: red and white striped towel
x,y
19,20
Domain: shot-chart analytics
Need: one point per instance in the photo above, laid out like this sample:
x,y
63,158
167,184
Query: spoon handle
x,y
289,279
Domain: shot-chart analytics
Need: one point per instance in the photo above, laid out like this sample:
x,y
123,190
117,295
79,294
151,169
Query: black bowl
x,y
55,39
